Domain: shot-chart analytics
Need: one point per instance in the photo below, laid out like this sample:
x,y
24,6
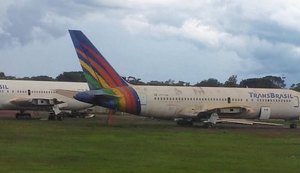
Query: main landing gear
x,y
23,116
293,125
56,114
53,117
188,122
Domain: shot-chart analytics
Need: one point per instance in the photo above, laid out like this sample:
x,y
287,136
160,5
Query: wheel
x,y
186,123
51,117
23,116
207,125
27,116
60,118
293,126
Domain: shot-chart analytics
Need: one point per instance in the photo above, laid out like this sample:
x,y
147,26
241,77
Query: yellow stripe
x,y
122,98
94,74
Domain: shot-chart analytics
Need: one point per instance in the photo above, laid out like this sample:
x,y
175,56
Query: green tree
x,y
278,82
41,78
74,76
231,81
169,82
296,87
182,83
264,82
155,82
134,81
211,82
2,75
10,78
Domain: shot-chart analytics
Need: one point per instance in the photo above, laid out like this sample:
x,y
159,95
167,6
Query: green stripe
x,y
93,83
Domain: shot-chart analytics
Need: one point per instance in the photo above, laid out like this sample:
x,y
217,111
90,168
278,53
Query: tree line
x,y
74,76
263,82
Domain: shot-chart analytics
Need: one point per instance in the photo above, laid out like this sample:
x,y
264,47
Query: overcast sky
x,y
189,40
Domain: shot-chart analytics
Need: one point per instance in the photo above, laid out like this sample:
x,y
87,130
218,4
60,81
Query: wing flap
x,y
34,102
246,122
198,111
66,93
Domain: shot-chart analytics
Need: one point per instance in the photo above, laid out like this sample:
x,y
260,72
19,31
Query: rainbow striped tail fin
x,y
98,72
107,87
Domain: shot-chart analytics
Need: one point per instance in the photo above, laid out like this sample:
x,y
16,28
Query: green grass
x,y
81,145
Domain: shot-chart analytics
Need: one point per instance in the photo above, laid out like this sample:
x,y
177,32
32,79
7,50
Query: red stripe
x,y
130,101
114,75
99,70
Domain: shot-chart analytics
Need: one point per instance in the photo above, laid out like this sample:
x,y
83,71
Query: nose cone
x,y
85,96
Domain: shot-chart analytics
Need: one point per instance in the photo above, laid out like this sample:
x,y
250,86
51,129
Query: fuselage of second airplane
x,y
18,90
172,102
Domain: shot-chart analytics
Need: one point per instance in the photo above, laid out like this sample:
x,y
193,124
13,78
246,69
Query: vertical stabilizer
x,y
108,88
98,72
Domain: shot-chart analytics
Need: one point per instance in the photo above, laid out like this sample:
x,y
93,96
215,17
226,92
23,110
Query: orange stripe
x,y
94,74
114,75
98,69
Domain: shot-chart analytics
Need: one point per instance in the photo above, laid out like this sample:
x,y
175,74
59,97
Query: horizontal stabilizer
x,y
94,94
102,95
66,93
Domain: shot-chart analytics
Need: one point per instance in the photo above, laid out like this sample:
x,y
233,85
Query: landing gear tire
x,y
293,126
208,125
185,123
23,116
60,118
51,117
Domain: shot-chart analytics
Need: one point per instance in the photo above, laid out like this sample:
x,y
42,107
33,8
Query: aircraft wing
x,y
206,111
35,102
66,93
246,122
211,113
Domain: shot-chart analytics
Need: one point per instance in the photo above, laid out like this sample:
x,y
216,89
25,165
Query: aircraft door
x,y
143,99
265,113
296,101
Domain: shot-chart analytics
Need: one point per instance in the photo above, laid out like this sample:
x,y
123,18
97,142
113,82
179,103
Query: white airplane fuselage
x,y
246,103
209,105
16,94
